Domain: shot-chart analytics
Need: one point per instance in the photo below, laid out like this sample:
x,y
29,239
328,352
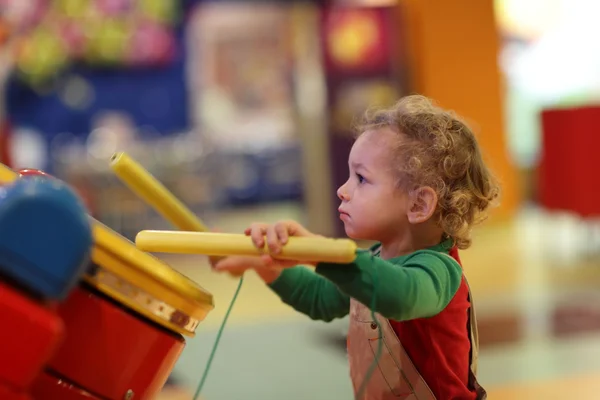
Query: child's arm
x,y
311,294
420,287
299,287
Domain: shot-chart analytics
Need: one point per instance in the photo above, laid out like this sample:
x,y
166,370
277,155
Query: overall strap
x,y
472,324
473,331
474,338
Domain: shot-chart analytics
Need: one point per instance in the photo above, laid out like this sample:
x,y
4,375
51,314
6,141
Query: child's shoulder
x,y
438,255
431,255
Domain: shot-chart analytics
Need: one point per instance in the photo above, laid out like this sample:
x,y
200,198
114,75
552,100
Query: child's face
x,y
373,207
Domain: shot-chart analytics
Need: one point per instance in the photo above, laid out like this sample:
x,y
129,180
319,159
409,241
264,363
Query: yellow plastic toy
x,y
151,191
225,244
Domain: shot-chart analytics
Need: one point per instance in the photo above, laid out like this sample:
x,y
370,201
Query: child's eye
x,y
360,178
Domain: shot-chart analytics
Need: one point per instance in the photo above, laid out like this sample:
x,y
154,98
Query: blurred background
x,y
244,110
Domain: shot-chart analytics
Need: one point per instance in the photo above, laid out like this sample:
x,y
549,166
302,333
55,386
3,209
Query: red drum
x,y
109,352
31,332
125,326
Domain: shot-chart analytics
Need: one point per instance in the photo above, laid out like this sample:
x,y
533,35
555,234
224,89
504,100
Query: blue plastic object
x,y
45,236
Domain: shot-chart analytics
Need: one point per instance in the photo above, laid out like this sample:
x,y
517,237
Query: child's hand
x,y
276,234
266,266
238,265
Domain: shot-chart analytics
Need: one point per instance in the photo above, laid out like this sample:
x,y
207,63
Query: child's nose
x,y
342,193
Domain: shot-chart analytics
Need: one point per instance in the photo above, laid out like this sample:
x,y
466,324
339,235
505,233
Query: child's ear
x,y
423,202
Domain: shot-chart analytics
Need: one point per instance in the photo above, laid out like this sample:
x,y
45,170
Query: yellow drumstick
x,y
151,191
226,244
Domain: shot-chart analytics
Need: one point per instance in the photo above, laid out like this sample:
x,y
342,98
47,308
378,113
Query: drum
x,y
125,325
124,322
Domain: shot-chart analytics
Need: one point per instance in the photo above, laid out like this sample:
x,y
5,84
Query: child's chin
x,y
353,234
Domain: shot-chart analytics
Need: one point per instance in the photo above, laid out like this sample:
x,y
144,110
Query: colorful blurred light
x,y
54,33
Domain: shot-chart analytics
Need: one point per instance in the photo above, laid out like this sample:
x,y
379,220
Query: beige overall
x,y
396,377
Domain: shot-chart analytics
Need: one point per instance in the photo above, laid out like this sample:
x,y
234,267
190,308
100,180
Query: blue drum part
x,y
45,236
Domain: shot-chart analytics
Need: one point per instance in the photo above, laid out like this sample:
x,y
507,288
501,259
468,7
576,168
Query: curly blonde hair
x,y
441,152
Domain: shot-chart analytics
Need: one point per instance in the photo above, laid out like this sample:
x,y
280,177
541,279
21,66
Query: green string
x,y
363,386
216,344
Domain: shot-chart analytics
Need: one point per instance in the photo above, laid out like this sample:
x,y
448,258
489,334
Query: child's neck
x,y
409,242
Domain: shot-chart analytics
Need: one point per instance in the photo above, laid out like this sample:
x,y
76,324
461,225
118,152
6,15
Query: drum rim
x,y
144,303
142,271
119,247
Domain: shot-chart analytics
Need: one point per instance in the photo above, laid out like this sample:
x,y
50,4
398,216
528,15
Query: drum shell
x,y
110,351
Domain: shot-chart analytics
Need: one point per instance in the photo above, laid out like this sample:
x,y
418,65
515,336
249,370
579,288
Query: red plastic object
x,y
568,173
110,351
82,191
8,393
33,172
51,387
29,336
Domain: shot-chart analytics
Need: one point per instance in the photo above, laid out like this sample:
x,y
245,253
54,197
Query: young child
x,y
417,185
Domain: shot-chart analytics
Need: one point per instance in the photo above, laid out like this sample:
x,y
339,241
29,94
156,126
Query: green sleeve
x,y
420,286
311,294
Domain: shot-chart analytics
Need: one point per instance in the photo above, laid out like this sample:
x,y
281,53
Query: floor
x,y
535,280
